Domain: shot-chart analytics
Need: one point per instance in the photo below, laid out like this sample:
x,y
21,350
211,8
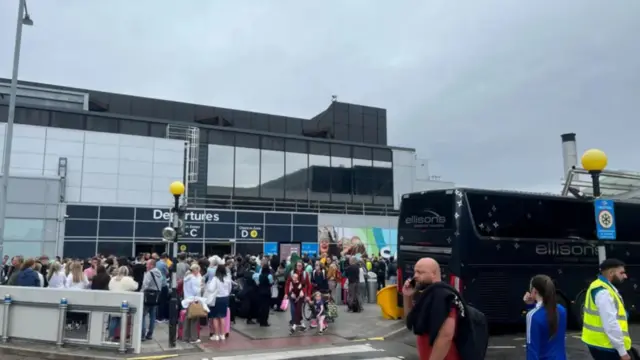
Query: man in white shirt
x,y
605,327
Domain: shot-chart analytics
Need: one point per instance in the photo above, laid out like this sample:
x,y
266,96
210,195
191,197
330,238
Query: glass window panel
x,y
82,212
249,217
277,233
319,177
272,174
116,212
341,170
78,249
102,124
117,229
247,177
360,152
149,230
32,116
277,218
220,172
219,137
134,127
24,229
26,249
272,143
382,183
297,174
305,219
119,248
260,122
338,150
317,148
157,130
384,155
248,141
296,146
219,231
67,121
304,233
81,228
362,181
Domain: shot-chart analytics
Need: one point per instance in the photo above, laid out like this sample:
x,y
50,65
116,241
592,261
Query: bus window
x,y
426,219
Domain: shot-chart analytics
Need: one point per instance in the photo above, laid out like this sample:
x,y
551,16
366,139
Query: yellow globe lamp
x,y
594,160
176,188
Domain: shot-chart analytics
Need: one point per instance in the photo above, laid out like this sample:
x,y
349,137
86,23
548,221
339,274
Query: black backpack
x,y
472,333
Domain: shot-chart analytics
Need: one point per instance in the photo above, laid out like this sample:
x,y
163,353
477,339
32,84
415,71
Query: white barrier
x,y
42,314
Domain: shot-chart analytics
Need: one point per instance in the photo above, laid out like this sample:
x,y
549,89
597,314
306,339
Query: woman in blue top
x,y
546,321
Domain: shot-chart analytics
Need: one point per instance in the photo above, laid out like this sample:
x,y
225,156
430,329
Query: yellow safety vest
x,y
592,331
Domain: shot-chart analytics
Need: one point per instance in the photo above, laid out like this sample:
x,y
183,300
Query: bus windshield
x,y
426,218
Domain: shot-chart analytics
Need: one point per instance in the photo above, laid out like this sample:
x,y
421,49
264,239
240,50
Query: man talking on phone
x,y
446,327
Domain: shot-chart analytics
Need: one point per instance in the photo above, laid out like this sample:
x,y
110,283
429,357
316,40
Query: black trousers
x,y
598,354
163,305
264,306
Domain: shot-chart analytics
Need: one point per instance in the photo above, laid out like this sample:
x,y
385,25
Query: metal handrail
x,y
287,205
628,189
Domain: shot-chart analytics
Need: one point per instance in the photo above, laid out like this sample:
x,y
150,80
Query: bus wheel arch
x,y
577,309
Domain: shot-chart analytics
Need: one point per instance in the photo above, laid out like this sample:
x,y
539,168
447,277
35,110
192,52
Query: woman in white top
x,y
56,276
362,285
121,282
76,279
217,293
192,289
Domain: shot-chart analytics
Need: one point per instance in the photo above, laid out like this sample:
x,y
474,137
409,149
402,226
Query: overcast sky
x,y
482,88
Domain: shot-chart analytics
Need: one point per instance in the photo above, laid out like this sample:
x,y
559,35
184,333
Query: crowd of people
x,y
226,288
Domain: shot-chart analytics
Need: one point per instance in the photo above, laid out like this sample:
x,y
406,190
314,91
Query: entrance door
x,y
220,249
151,248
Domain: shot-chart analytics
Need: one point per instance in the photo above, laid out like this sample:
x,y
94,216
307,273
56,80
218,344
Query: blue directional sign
x,y
605,219
270,248
310,248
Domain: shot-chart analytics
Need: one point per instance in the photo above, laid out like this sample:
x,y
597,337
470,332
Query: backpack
x,y
472,338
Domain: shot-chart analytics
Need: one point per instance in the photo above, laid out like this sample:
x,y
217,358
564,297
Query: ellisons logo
x,y
431,219
553,249
188,216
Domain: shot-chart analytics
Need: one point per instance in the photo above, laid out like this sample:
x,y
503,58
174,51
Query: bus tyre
x,y
577,310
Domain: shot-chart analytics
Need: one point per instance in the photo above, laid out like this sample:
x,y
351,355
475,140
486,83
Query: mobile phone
x,y
412,282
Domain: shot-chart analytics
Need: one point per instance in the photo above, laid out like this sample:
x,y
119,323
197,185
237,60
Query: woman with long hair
x,y
56,276
217,293
76,279
546,322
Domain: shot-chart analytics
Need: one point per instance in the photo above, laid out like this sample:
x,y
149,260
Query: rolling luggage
x,y
181,319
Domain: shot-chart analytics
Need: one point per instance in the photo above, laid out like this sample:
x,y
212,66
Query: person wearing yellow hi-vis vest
x,y
605,327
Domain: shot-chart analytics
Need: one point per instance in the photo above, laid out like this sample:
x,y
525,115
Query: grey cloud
x,y
484,89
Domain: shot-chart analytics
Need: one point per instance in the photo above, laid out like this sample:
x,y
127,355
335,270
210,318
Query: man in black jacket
x,y
445,325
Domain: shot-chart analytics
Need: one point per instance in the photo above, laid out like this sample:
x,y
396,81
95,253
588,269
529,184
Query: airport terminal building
x,y
255,182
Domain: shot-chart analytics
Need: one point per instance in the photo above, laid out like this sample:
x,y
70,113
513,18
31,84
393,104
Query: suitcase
x,y
116,334
181,319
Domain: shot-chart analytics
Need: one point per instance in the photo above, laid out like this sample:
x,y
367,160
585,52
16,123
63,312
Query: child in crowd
x,y
319,309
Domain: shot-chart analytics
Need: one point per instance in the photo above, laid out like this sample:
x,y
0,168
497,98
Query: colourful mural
x,y
373,241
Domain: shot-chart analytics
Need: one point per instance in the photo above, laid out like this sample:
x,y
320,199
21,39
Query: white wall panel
x,y
101,167
98,195
134,197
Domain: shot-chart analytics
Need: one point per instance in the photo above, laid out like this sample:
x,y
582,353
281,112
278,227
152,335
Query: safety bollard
x,y
5,318
62,321
124,317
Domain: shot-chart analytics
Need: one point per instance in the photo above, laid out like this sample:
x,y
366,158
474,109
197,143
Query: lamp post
x,y
176,189
23,19
594,161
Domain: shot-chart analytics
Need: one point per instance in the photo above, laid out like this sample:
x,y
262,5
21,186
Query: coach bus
x,y
490,243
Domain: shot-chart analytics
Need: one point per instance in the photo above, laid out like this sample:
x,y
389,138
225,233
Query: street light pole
x,y
594,161
177,189
23,19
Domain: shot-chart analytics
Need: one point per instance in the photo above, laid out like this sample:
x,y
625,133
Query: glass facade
x,y
127,231
243,165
